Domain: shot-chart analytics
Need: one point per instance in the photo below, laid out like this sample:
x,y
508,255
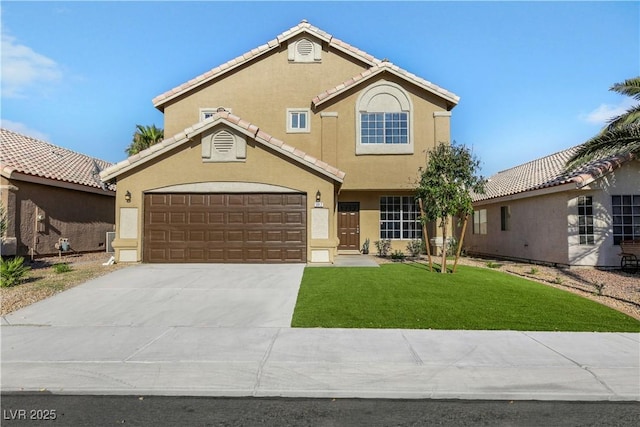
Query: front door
x,y
349,225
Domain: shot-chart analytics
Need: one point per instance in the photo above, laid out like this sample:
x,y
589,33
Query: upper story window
x,y
384,120
298,120
206,113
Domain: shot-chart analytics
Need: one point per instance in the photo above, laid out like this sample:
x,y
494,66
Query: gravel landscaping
x,y
42,281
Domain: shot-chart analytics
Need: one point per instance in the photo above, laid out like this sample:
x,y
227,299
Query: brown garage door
x,y
225,228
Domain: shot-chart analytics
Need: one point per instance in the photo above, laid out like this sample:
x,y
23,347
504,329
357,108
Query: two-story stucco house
x,y
301,148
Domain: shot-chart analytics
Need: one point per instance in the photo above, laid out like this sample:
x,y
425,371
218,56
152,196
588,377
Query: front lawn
x,y
408,296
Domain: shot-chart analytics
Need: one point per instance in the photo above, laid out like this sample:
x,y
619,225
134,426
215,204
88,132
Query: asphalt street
x,y
29,409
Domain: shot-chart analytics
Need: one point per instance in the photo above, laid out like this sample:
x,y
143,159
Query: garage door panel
x,y
178,218
294,236
197,217
216,217
235,218
225,228
215,236
296,218
178,199
158,218
198,200
177,236
273,218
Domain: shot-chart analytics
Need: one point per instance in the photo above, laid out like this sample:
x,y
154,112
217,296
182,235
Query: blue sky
x,y
533,77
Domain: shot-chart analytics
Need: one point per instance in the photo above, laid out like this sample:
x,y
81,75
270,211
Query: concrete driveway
x,y
214,295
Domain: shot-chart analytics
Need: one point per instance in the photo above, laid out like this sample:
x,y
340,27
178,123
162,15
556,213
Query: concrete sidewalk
x,y
289,362
223,330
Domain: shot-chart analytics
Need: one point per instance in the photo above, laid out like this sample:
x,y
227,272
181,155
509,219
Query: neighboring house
x,y
300,148
50,193
535,212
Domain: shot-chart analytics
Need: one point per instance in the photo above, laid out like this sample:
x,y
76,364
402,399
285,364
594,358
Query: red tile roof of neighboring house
x,y
235,122
302,27
549,171
30,156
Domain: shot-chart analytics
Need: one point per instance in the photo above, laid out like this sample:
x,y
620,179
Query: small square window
x,y
298,120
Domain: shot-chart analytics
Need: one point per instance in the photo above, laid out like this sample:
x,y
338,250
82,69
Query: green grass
x,y
408,296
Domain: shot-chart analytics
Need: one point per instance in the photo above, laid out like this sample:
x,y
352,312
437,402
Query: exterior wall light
x,y
318,195
127,197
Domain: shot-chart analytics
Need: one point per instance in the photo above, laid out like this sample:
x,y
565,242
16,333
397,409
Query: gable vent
x,y
304,47
223,142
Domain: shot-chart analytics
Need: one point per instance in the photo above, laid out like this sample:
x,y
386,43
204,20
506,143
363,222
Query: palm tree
x,y
143,138
620,136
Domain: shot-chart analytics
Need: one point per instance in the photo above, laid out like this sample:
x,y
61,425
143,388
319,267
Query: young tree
x,y
445,188
143,138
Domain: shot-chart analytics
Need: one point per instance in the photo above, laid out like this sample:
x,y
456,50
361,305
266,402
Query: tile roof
x,y
30,156
237,123
302,27
385,66
548,172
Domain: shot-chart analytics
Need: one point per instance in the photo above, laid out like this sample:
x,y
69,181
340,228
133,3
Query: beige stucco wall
x,y
261,92
184,165
82,217
538,230
622,181
545,228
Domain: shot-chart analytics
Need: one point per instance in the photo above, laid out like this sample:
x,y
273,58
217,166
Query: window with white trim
x,y
480,221
298,120
585,220
384,120
626,217
206,113
399,218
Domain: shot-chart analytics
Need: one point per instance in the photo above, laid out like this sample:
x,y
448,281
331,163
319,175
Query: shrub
x,y
533,270
62,267
12,271
383,247
414,248
397,255
492,264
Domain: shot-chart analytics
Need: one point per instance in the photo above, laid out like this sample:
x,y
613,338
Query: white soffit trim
x,y
224,187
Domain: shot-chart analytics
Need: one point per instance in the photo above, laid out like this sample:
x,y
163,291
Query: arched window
x,y
384,116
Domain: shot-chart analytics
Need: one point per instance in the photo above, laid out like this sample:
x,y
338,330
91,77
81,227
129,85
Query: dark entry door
x,y
349,225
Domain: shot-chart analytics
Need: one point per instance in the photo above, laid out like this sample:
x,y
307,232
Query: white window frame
x,y
211,111
408,220
384,97
293,112
480,221
586,233
625,216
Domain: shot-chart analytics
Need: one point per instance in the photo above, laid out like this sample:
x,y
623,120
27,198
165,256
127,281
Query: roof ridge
x,y
236,121
374,70
303,26
28,155
549,171
53,145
